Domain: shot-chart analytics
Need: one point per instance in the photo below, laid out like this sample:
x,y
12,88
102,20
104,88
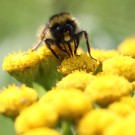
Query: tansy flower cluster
x,y
83,95
82,62
127,47
27,67
14,99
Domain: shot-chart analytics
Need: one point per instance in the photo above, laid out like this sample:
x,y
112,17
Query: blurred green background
x,y
108,23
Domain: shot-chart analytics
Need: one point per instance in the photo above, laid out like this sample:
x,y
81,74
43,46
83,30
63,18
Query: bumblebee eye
x,y
58,28
69,26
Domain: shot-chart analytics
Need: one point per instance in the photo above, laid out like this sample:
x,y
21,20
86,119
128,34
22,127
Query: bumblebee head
x,y
62,27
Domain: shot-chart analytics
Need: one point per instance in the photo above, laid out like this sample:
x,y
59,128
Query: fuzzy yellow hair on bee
x,y
61,18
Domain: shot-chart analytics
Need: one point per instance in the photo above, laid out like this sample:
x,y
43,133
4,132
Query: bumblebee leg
x,y
50,42
76,43
86,39
66,51
57,44
70,49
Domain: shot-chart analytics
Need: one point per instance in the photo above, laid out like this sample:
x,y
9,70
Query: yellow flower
x,y
13,99
123,107
120,65
78,80
37,115
102,55
107,88
42,131
128,100
23,66
69,103
96,121
82,62
127,47
20,61
133,83
32,66
47,69
122,127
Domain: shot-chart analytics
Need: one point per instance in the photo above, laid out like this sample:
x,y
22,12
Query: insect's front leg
x,y
49,43
76,42
86,40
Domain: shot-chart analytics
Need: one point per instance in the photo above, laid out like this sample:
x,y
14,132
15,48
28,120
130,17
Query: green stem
x,y
66,127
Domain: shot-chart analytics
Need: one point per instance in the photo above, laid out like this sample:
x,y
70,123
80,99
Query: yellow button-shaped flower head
x,y
102,55
42,131
32,66
23,66
120,65
128,100
13,99
105,89
122,127
127,47
47,68
123,107
82,62
69,103
35,116
96,121
78,80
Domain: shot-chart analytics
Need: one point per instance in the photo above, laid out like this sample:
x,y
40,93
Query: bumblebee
x,y
62,30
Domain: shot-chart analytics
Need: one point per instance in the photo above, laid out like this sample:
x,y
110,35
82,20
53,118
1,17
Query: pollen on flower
x,y
42,131
69,103
105,89
14,99
77,80
102,55
120,65
36,116
20,61
28,67
127,47
82,62
96,121
22,65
